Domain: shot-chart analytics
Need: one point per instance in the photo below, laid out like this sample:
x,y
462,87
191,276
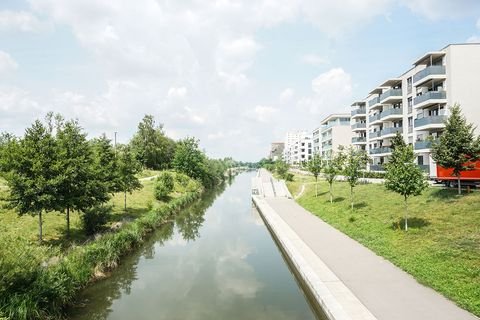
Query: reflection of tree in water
x,y
95,301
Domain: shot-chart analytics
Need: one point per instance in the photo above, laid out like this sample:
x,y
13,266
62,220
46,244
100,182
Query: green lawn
x,y
441,248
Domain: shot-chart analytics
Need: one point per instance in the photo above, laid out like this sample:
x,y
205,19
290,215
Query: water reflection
x,y
211,262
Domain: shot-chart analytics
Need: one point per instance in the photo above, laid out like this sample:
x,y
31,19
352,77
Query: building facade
x,y
276,151
417,103
298,147
334,131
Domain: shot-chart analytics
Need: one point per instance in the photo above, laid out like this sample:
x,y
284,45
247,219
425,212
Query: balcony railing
x,y
430,95
429,120
373,101
358,111
391,130
391,93
375,134
375,117
381,150
388,112
424,168
410,129
359,125
376,167
424,144
359,139
431,70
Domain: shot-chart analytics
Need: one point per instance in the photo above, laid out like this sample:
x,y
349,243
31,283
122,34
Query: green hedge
x,y
32,289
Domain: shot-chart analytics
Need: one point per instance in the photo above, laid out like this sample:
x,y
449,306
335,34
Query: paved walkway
x,y
385,290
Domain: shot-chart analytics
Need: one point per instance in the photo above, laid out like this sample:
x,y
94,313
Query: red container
x,y
470,175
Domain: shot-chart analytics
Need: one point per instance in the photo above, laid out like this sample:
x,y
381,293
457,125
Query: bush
x,y
95,218
163,186
288,176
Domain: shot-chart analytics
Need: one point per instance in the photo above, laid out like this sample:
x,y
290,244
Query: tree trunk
x,y
68,222
40,239
125,201
351,196
406,214
331,194
316,186
459,185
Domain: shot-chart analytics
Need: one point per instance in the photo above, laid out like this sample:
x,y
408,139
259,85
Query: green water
x,y
215,261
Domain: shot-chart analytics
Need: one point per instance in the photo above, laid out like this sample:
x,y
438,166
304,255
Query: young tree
x,y
403,176
332,168
32,178
281,167
105,165
189,159
355,162
457,145
75,175
314,166
128,167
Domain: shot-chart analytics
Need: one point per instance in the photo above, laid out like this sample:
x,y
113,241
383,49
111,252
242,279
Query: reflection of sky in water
x,y
232,270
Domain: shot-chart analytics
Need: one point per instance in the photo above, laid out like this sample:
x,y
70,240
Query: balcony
x,y
373,135
424,167
430,98
429,73
377,167
381,150
359,126
423,144
358,112
373,101
374,118
430,122
359,139
391,96
393,113
391,131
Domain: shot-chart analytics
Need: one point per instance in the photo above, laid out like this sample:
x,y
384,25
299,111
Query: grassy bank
x,y
441,248
38,281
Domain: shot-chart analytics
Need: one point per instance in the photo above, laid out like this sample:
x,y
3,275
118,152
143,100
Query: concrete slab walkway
x,y
384,289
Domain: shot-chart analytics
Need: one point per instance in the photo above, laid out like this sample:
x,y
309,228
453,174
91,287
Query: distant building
x,y
334,131
276,151
298,147
416,104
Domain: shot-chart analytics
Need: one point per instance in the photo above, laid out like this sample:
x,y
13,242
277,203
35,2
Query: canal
x,y
216,260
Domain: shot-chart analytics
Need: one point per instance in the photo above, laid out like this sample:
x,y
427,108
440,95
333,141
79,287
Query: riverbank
x,y
441,247
39,280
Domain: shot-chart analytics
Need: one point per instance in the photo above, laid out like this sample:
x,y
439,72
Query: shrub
x,y
163,186
288,176
95,218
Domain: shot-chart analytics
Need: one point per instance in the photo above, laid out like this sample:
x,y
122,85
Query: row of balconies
x,y
380,167
385,132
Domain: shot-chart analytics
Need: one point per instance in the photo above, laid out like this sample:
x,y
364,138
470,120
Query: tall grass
x,y
38,282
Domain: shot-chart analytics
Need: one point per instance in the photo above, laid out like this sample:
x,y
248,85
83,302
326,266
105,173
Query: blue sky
x,y
236,74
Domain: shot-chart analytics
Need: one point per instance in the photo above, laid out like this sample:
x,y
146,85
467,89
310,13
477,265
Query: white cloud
x,y
286,95
439,9
177,93
478,23
7,63
473,39
262,114
314,59
21,20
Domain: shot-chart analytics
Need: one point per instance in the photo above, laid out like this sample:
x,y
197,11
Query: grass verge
x,y
38,281
441,248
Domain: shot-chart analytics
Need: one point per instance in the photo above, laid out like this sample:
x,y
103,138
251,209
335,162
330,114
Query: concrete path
x,y
385,290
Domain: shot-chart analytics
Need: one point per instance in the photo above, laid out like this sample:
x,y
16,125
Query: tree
x,y
151,146
75,175
163,186
314,166
457,146
189,159
128,167
355,162
32,178
105,164
403,176
8,150
281,167
332,168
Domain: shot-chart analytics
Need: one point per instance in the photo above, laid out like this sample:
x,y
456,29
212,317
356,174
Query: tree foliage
x,y
128,168
314,166
164,185
403,176
332,169
355,162
457,145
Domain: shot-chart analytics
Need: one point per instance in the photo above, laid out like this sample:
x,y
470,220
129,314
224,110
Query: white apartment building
x,y
334,131
298,147
417,103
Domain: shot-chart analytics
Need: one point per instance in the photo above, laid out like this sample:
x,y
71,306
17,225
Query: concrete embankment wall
x,y
327,293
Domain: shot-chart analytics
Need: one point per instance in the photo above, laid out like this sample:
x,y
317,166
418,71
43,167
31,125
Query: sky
x,y
236,74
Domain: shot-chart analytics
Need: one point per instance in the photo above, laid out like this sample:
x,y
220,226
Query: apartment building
x,y
276,150
417,103
334,131
298,147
